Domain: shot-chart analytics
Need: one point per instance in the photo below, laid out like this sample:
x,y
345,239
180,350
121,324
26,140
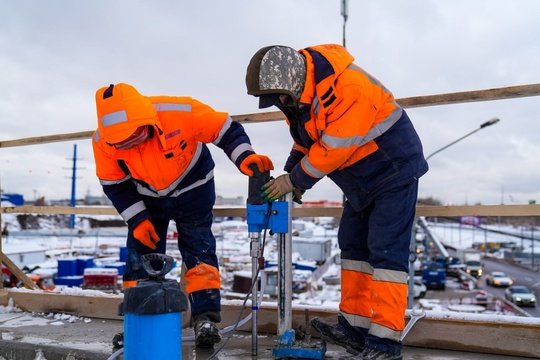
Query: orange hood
x,y
121,109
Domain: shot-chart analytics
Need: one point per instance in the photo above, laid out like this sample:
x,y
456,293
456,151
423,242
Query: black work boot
x,y
206,334
206,330
339,334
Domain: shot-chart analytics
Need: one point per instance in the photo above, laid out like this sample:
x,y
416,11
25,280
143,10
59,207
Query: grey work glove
x,y
276,188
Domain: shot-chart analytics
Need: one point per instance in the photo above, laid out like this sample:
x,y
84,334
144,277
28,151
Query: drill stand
x,y
289,348
276,216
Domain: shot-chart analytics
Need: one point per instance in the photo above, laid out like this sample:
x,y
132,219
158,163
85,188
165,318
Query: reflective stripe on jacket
x,y
174,160
349,127
348,109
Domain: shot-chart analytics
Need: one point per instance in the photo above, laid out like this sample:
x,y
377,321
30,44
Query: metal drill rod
x,y
255,254
285,273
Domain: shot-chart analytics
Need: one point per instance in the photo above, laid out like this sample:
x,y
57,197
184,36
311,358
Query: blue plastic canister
x,y
153,319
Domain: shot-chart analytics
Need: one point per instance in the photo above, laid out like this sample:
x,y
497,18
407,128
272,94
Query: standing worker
x,y
153,164
345,124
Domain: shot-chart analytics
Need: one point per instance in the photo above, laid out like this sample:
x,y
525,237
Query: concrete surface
x,y
26,336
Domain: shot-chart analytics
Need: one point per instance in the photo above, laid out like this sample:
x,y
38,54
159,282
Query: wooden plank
x,y
432,211
91,305
479,210
19,274
46,139
259,117
481,336
509,92
31,209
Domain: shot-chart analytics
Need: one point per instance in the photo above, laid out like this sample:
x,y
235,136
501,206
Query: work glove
x,y
297,195
146,234
262,162
276,188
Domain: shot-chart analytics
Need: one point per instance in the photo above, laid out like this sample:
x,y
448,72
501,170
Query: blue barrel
x,y
153,319
67,267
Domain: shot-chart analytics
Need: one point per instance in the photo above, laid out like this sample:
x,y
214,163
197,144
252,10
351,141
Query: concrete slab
x,y
27,336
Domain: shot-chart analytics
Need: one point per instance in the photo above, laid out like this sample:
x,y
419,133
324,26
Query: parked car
x,y
520,295
481,298
434,275
498,278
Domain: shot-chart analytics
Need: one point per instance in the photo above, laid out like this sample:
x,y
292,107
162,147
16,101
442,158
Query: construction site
x,y
63,293
436,335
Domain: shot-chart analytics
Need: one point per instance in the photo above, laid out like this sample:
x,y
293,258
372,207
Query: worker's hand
x,y
297,195
262,162
146,234
276,188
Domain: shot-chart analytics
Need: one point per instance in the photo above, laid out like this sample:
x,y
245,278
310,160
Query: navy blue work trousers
x,y
192,213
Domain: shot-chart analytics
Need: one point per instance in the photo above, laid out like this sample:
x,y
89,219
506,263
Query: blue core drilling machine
x,y
276,217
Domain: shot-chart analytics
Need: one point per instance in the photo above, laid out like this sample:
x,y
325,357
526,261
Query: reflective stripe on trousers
x,y
374,247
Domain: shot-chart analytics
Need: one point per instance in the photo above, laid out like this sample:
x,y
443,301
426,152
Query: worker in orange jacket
x,y
154,165
346,125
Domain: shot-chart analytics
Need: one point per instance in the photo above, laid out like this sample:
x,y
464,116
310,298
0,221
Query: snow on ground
x,y
462,236
233,251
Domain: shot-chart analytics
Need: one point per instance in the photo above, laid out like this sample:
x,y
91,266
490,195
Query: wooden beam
x,y
432,211
31,209
479,210
509,92
259,117
19,274
46,139
103,306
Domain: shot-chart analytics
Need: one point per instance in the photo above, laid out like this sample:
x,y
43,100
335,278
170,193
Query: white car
x,y
520,295
498,278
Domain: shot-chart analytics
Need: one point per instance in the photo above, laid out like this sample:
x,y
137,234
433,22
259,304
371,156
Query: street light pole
x,y
482,126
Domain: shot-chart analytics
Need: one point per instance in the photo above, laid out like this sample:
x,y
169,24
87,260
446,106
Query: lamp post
x,y
482,126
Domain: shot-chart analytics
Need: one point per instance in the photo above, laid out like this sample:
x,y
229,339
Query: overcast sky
x,y
54,55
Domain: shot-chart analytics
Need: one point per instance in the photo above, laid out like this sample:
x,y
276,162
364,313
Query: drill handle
x,y
255,185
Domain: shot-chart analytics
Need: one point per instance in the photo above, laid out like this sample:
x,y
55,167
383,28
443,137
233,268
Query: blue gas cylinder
x,y
153,314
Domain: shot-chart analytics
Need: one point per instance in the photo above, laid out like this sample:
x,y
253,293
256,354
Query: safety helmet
x,y
121,110
275,70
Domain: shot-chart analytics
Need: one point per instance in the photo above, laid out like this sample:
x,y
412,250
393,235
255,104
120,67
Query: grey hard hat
x,y
276,70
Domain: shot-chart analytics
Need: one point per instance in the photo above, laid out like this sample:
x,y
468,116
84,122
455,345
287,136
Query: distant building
x,y
97,200
25,254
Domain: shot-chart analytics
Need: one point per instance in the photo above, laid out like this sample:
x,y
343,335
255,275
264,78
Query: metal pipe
x,y
255,250
285,273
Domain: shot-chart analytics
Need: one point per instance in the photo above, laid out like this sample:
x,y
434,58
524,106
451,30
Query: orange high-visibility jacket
x,y
344,111
174,160
348,109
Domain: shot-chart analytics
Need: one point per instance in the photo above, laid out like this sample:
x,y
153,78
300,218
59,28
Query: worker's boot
x,y
206,331
341,334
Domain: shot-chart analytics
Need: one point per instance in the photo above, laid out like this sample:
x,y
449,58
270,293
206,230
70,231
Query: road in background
x,y
520,275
